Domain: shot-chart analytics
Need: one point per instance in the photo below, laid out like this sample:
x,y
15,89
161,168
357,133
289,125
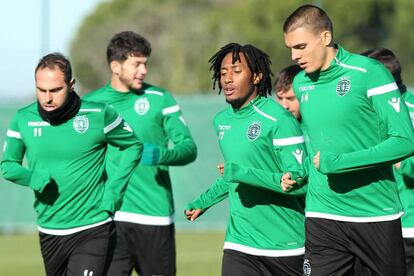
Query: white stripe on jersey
x,y
171,109
264,252
288,141
382,89
154,93
14,134
63,232
264,114
349,66
143,219
113,125
409,104
353,219
90,110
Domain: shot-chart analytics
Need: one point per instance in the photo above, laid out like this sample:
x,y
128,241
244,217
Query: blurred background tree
x,y
185,33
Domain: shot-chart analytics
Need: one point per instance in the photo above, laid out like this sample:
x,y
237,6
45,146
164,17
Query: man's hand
x,y
286,182
150,155
316,160
193,214
397,166
220,167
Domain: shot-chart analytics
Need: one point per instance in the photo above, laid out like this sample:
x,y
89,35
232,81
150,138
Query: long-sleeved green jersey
x,y
66,165
405,179
355,118
259,143
156,119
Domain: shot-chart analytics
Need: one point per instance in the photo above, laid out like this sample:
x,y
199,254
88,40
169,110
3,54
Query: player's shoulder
x,y
150,89
90,105
95,95
28,110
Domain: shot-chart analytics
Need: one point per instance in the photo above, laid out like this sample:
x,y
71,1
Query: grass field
x,y
198,254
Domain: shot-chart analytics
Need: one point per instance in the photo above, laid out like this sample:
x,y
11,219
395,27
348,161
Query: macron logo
x,y
395,103
298,155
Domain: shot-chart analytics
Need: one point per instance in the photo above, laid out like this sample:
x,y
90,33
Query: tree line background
x,y
185,33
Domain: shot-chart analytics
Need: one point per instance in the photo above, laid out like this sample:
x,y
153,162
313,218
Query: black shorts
x,y
83,253
242,264
409,255
353,248
148,249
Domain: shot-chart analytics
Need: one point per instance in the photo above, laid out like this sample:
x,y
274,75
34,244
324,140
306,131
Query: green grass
x,y
198,254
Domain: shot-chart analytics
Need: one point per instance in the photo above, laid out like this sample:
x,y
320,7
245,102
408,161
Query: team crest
x,y
343,86
253,131
81,123
142,106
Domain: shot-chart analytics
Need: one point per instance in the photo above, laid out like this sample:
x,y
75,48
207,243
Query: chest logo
x,y
343,86
142,106
395,103
253,131
81,123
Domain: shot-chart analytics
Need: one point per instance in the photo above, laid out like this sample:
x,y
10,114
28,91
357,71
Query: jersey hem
x,y
143,219
353,219
264,252
63,232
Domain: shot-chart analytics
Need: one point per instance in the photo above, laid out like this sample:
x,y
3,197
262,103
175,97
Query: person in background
x,y
284,90
145,222
404,170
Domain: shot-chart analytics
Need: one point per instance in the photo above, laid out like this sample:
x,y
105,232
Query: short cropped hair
x,y
388,58
126,44
56,60
310,17
284,78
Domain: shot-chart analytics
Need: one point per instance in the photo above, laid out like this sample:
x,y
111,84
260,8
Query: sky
x,y
23,43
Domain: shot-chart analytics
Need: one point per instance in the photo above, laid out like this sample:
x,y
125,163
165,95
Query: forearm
x,y
117,183
264,179
15,172
183,153
388,152
215,194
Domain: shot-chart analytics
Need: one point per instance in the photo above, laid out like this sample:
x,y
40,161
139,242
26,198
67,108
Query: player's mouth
x,y
302,64
49,107
229,90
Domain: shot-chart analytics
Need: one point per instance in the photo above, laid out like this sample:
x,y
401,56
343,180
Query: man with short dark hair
x,y
145,222
284,90
404,170
64,140
357,126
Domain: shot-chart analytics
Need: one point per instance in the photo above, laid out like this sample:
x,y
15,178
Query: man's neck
x,y
118,85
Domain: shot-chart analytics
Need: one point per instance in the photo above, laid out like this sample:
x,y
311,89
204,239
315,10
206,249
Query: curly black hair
x,y
257,60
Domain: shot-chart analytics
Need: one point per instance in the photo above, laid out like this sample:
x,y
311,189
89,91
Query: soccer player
x,y
284,91
145,222
351,109
404,170
259,141
64,140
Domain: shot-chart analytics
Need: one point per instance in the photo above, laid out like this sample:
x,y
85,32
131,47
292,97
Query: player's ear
x,y
257,78
72,84
115,67
326,37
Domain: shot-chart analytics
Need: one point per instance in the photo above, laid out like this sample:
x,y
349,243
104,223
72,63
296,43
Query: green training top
x,y
405,179
66,165
259,143
156,119
353,114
